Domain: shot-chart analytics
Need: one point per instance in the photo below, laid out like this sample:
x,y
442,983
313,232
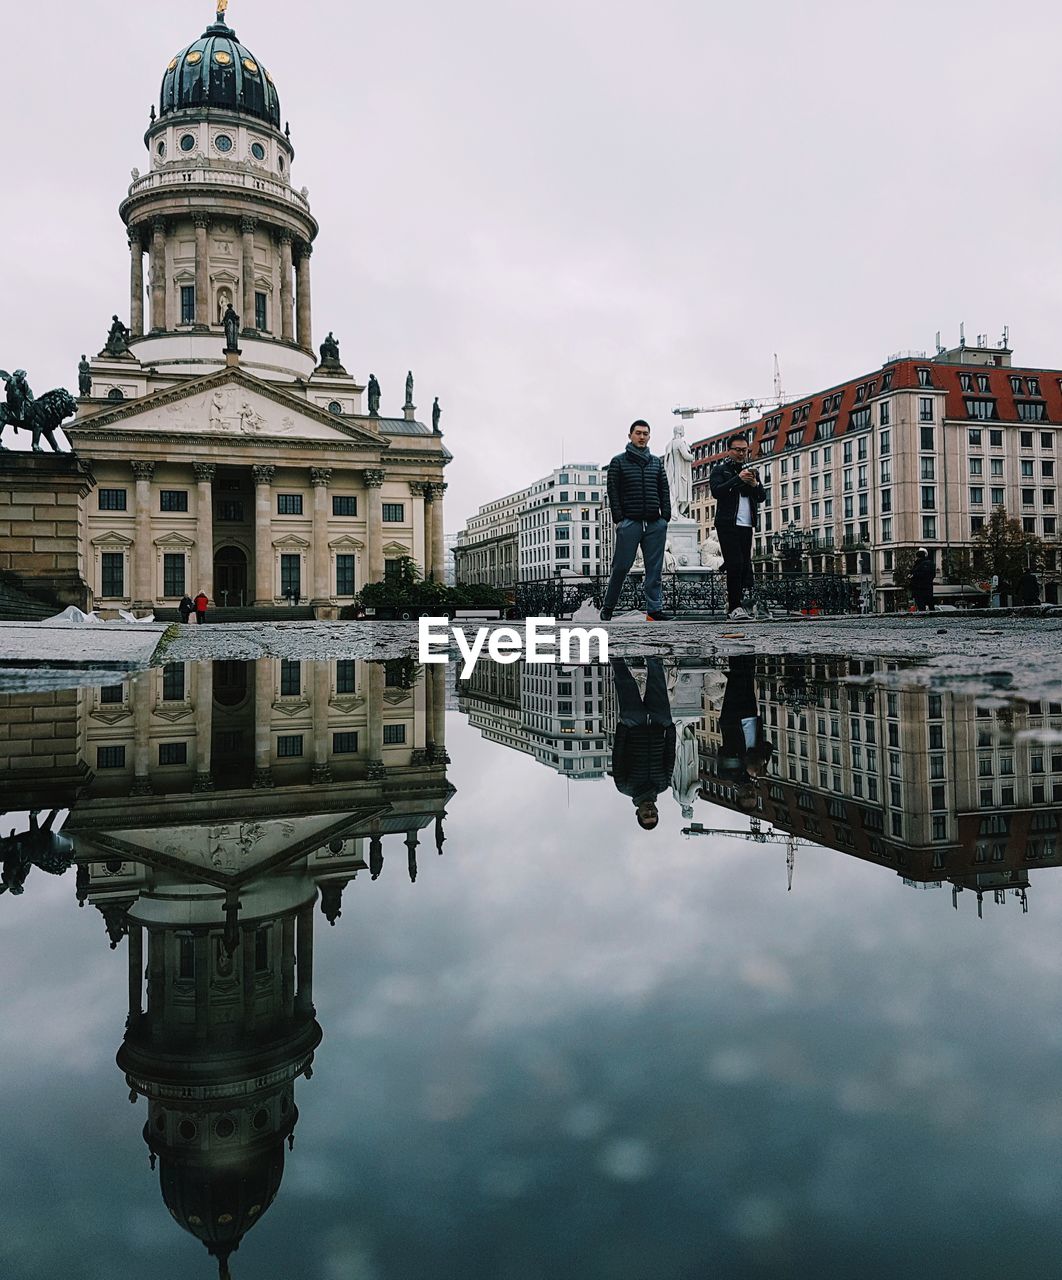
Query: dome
x,y
217,71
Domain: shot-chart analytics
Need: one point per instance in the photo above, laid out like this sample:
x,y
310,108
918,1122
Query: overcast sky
x,y
569,214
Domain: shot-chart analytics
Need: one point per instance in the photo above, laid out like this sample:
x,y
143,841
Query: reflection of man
x,y
744,752
643,754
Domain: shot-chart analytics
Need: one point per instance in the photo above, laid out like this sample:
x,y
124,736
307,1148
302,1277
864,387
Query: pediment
x,y
395,549
346,543
291,541
346,703
231,405
296,708
111,717
112,539
174,540
173,711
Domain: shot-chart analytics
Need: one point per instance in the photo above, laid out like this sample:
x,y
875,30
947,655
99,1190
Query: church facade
x,y
230,455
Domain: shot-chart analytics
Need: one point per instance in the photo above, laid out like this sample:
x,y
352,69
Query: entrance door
x,y
230,578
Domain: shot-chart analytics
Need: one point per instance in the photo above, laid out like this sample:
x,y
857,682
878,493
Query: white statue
x,y
678,463
711,552
686,778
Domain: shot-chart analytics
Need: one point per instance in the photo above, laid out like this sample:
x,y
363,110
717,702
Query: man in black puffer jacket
x,y
643,753
640,501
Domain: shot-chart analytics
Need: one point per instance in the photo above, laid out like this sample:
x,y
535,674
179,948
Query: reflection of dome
x,y
219,1203
217,71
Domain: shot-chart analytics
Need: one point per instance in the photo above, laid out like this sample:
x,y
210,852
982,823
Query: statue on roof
x,y
231,321
374,396
409,390
84,377
117,343
39,415
436,414
330,349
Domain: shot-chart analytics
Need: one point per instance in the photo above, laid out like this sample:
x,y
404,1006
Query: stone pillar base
x,y
263,779
377,770
232,357
321,773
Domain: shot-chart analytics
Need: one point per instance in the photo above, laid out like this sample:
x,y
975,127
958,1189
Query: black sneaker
x,y
658,617
606,615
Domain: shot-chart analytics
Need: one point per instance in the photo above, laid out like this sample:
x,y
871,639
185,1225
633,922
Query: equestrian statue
x,y
40,415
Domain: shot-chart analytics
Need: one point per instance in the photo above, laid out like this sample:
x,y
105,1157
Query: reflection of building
x,y
915,453
935,786
552,527
248,474
210,810
559,715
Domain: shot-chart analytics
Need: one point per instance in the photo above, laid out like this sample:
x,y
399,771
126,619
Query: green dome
x,y
217,71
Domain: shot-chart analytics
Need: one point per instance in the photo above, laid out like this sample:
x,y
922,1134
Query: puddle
x,y
601,970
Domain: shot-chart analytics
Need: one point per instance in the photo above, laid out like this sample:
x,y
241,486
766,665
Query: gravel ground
x,y
1022,655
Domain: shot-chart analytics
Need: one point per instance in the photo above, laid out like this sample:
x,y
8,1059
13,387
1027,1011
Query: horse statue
x,y
40,415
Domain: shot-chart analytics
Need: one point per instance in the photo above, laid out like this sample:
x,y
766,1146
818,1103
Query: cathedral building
x,y
230,454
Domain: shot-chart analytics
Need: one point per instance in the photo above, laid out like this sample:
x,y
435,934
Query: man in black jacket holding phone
x,y
639,499
738,493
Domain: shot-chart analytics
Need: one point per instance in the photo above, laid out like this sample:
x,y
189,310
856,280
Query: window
x,y
230,511
344,575
291,576
924,378
995,438
345,744
1047,469
929,497
187,304
886,529
110,757
886,500
289,504
925,409
173,682
1028,497
977,466
173,753
394,735
173,499
973,436
1048,496
1049,528
290,678
394,512
1026,469
346,676
173,574
996,496
977,496
927,469
926,438
1034,412
884,443
929,526
884,414
1047,440
112,565
887,561
996,466
289,746
1025,439
112,499
112,693
344,505
392,569
260,319
983,409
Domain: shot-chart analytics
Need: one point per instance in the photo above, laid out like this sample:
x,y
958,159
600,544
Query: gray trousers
x,y
651,536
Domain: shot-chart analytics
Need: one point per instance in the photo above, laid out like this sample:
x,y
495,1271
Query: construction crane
x,y
759,836
743,407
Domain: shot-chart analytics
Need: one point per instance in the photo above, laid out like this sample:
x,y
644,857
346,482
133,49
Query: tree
x,y
1003,549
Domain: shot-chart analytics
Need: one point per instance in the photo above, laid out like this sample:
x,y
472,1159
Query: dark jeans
x,y
650,535
655,708
735,543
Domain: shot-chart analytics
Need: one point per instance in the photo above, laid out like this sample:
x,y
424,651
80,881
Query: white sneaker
x,y
738,614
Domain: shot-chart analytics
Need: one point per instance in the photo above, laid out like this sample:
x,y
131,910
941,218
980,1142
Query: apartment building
x,y
552,528
916,453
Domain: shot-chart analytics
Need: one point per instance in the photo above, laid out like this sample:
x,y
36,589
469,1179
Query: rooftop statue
x,y
330,349
436,415
25,413
84,377
374,396
409,390
117,343
231,321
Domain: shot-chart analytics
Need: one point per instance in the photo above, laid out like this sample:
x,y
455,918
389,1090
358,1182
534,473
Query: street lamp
x,y
790,543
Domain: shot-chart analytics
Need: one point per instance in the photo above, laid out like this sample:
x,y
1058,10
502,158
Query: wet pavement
x,y
695,962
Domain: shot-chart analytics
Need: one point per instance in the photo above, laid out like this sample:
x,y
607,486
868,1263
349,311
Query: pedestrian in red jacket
x,y
201,601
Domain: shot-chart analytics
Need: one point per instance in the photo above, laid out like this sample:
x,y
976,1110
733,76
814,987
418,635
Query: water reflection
x,y
832,752
210,808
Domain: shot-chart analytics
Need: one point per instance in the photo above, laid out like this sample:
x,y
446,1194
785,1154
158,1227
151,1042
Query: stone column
x,y
287,965
158,276
264,590
143,558
322,588
204,724
247,975
437,714
247,226
136,283
201,951
374,691
304,961
322,687
287,331
135,944
304,321
438,543
202,272
427,491
156,983
263,729
373,480
204,527
142,688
